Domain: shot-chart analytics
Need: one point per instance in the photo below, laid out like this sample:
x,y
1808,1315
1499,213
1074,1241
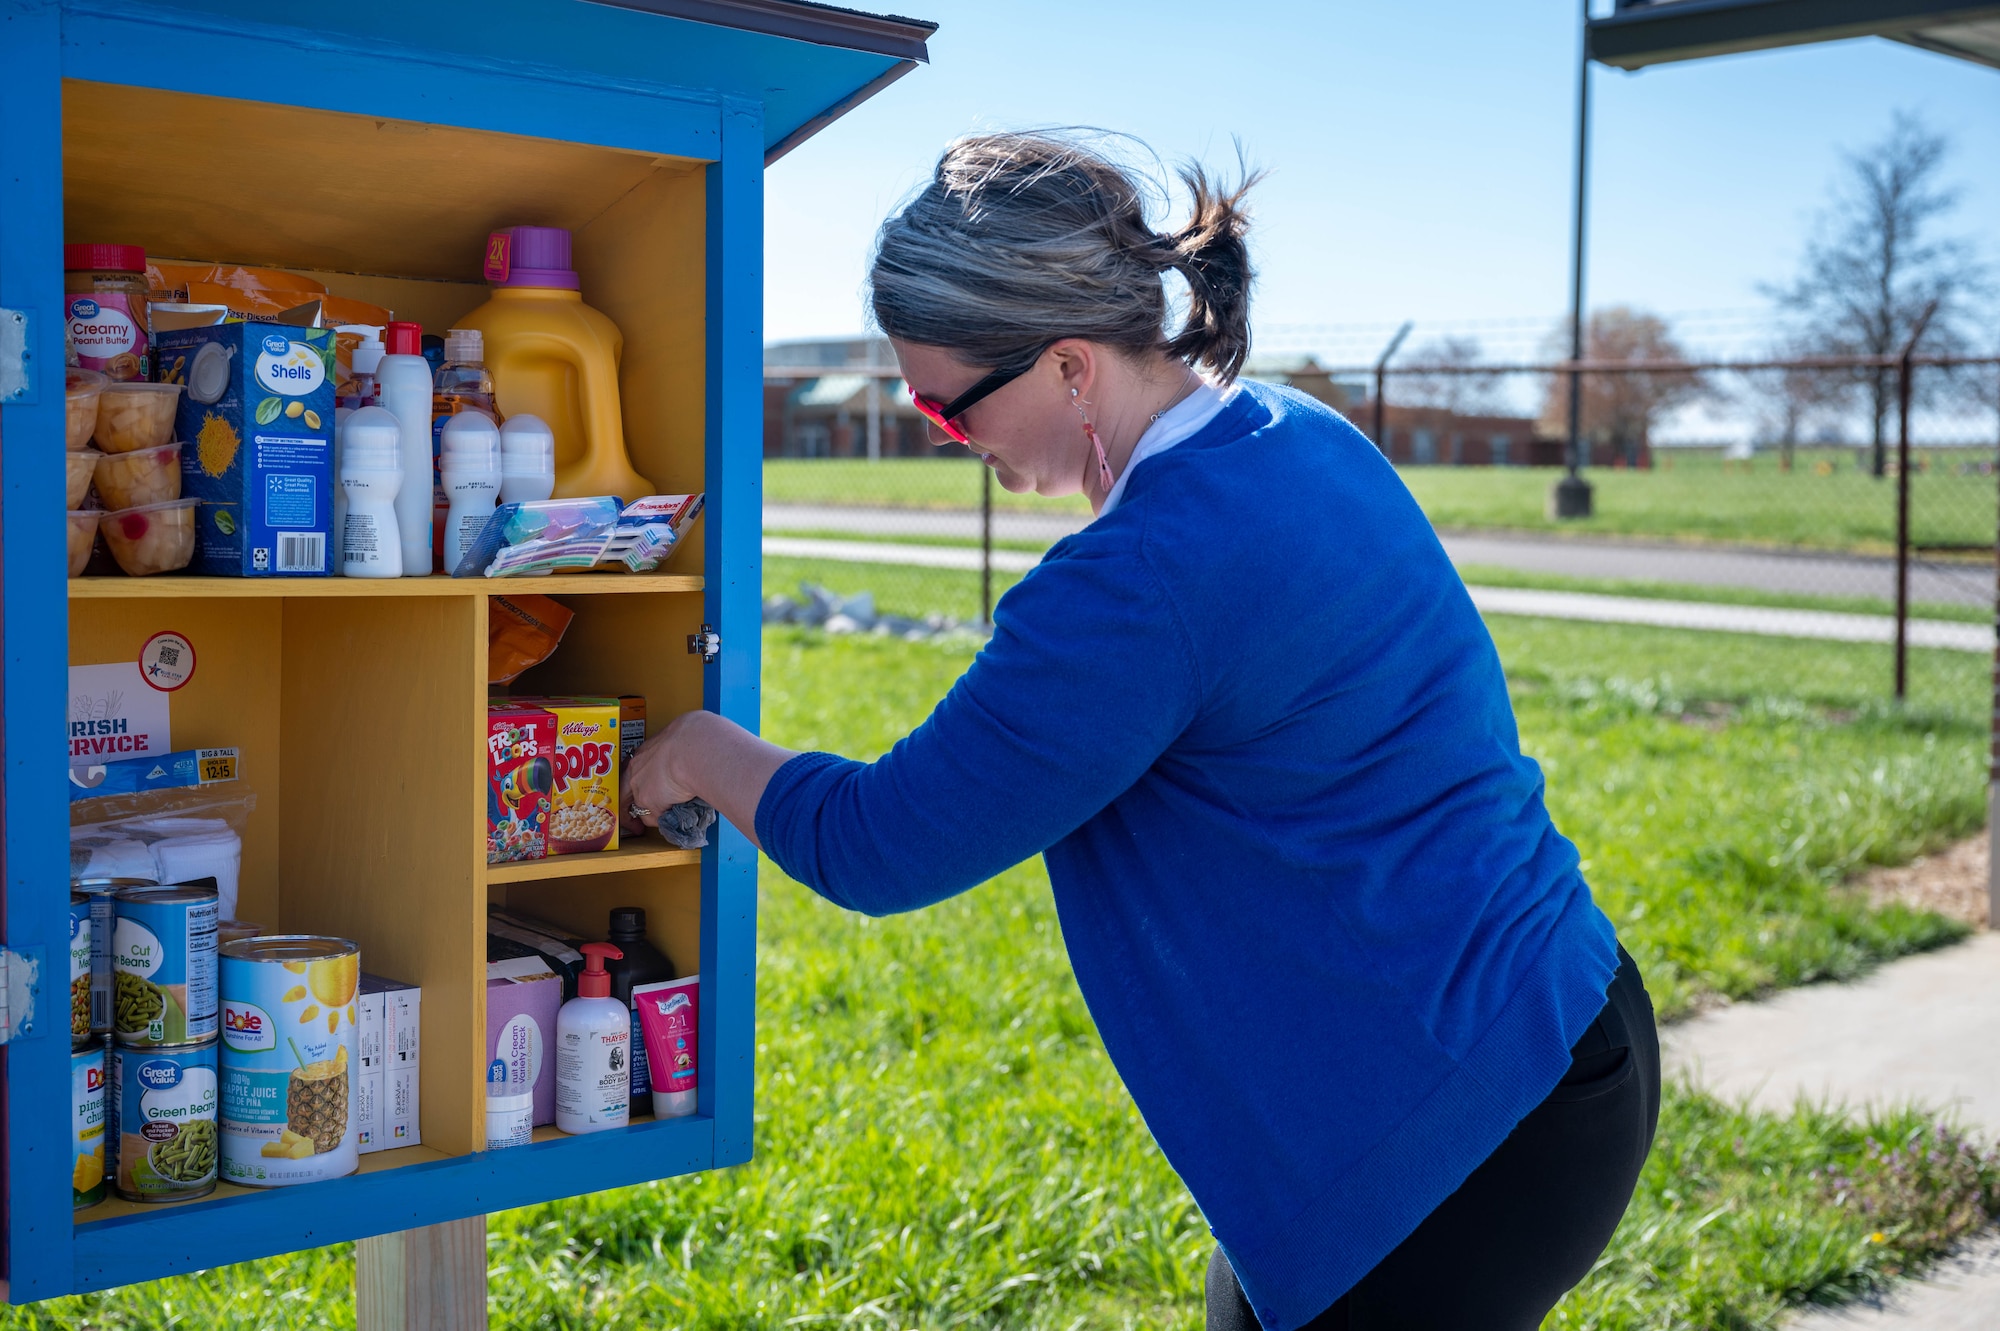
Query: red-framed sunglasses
x,y
943,414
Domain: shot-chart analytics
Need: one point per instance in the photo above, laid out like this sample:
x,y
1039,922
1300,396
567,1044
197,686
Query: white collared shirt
x,y
1176,424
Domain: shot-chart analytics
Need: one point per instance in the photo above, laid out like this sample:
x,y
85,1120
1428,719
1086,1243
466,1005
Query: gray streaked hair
x,y
1023,238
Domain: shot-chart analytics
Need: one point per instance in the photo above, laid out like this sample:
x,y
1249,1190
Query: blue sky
x,y
1419,155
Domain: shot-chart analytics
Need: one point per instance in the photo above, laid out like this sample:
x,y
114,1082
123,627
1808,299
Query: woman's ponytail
x,y
1020,239
1211,252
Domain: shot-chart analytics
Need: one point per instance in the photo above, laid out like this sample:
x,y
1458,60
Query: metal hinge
x,y
14,355
20,983
705,643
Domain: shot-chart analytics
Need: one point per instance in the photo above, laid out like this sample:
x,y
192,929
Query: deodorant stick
x,y
371,475
469,470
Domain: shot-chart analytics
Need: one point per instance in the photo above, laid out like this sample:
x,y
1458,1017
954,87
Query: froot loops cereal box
x,y
520,777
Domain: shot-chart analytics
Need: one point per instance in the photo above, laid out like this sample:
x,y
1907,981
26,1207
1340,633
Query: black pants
x,y
1528,1223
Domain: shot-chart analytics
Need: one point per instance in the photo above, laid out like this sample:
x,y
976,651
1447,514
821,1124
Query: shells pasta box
x,y
256,428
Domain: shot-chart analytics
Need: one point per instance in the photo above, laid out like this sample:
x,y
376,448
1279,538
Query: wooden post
x,y
429,1279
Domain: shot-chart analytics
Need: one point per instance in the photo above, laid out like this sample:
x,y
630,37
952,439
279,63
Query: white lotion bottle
x,y
469,470
367,358
403,382
371,477
594,1050
527,459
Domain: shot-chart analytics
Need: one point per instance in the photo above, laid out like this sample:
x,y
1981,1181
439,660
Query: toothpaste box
x,y
256,432
387,1029
522,996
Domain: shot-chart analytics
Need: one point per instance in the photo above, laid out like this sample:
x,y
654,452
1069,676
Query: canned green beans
x,y
102,893
86,1125
163,990
290,1066
79,970
163,1104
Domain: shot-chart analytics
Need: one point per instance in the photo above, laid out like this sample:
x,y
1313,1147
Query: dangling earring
x,y
1090,433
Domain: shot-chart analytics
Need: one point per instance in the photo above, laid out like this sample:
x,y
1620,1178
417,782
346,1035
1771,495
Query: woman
x,y
1346,965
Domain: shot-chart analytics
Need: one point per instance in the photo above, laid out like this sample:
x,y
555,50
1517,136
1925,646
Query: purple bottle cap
x,y
530,256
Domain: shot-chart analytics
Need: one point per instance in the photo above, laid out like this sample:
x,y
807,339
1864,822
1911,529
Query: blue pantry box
x,y
374,147
256,429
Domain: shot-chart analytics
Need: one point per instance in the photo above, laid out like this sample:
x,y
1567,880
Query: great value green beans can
x,y
86,1124
102,893
163,966
163,1104
79,970
290,1068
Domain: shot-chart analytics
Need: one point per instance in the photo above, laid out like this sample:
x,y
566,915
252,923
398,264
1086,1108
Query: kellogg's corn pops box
x,y
583,808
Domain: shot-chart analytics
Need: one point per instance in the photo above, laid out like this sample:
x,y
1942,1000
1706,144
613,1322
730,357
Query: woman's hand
x,y
699,756
648,784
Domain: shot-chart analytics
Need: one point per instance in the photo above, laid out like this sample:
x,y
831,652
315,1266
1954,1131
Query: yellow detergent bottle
x,y
554,357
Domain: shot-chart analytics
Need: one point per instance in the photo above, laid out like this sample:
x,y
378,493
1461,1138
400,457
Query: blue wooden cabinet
x,y
375,150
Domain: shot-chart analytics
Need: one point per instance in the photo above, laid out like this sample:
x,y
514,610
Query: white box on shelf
x,y
388,1031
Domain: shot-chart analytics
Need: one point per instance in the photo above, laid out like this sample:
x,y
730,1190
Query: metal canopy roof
x,y
1651,32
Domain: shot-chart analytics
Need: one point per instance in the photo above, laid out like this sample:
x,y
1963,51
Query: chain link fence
x,y
1834,497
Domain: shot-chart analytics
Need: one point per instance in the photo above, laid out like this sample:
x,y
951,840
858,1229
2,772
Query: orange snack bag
x,y
522,630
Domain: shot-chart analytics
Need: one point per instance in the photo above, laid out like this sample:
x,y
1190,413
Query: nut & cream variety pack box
x,y
256,429
522,998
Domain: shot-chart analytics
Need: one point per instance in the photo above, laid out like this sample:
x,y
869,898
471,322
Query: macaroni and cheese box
x,y
256,429
520,777
583,809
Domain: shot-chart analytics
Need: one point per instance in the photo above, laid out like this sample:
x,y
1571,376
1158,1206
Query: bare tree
x,y
1877,262
1789,402
1620,407
1441,373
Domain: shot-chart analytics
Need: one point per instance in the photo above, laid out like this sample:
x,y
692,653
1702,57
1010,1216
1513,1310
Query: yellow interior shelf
x,y
647,854
555,584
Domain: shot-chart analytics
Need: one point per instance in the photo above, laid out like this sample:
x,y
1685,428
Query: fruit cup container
x,y
155,538
138,479
82,466
82,537
133,416
82,391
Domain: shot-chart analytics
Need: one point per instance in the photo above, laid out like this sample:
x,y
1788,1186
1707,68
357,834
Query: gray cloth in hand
x,y
686,825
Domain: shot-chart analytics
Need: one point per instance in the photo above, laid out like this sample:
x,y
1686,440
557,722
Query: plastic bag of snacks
x,y
522,630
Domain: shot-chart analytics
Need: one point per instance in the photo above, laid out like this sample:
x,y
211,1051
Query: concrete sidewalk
x,y
1702,615
1920,1029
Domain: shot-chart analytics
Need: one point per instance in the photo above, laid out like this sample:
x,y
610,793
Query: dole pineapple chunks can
x,y
289,1059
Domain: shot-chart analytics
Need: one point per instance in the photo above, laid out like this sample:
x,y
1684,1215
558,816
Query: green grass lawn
x,y
942,1143
1690,497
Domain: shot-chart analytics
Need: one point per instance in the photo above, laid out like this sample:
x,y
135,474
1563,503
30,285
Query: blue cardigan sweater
x,y
1328,933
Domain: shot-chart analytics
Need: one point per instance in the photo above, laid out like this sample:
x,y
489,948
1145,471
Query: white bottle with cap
x,y
469,470
527,459
371,475
405,377
366,359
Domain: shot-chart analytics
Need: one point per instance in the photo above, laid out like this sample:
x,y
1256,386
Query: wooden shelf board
x,y
169,587
115,1207
648,854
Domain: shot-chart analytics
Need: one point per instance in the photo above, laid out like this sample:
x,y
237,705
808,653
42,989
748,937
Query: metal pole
x,y
1993,753
1903,525
1571,497
1904,370
985,544
1382,379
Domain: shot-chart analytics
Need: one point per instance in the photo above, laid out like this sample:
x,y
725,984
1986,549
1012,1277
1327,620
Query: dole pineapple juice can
x,y
290,1066
86,1125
